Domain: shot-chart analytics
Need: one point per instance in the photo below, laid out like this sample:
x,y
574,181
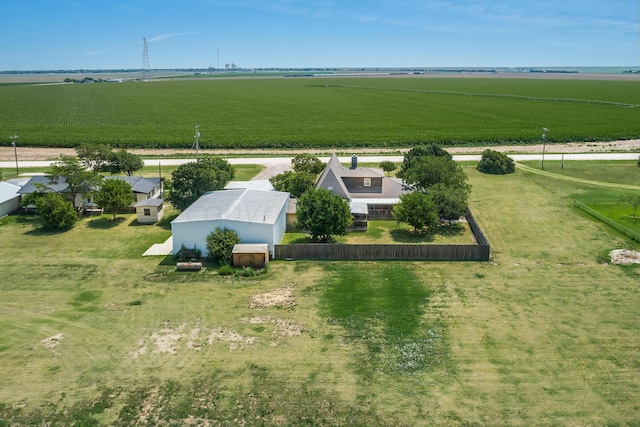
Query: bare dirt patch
x,y
624,257
280,298
173,340
234,339
283,328
52,342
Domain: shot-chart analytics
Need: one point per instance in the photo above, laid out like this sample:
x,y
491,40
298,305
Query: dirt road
x,y
7,154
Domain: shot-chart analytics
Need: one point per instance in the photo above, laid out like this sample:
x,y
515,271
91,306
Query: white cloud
x,y
169,35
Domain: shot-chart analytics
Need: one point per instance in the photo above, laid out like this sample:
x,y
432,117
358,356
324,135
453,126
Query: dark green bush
x,y
220,243
494,162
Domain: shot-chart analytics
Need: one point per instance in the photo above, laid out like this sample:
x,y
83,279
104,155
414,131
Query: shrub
x,y
226,270
56,212
220,243
494,162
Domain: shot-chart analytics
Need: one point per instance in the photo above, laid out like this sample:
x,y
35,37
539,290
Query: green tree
x,y
307,163
416,209
56,212
416,153
192,180
70,170
494,162
220,243
323,214
123,161
451,202
296,183
31,199
633,200
388,166
427,171
114,195
94,156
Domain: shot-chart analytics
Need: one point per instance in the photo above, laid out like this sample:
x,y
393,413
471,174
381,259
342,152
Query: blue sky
x,y
99,34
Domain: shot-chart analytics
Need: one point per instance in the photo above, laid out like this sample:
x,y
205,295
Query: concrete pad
x,y
160,249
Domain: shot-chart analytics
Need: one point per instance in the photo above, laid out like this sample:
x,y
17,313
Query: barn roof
x,y
256,184
8,191
244,205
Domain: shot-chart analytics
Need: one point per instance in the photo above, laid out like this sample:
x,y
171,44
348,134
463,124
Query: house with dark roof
x,y
362,186
143,188
44,183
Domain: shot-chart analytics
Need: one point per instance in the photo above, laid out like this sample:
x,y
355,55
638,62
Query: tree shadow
x,y
450,230
105,223
41,230
404,235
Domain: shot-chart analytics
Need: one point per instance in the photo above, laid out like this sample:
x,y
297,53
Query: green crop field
x,y
320,112
544,334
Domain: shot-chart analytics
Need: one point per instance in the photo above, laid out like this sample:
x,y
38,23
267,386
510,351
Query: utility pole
x,y
196,144
544,143
15,151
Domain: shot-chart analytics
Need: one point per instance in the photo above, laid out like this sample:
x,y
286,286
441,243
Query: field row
x,y
320,112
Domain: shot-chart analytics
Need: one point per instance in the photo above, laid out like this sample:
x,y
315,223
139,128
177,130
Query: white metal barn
x,y
9,198
257,216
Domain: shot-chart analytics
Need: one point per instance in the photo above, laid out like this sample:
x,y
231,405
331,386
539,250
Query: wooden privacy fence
x,y
331,251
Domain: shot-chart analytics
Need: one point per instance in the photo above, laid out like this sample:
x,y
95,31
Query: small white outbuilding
x,y
256,216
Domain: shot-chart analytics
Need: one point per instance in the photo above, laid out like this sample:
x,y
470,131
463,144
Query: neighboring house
x,y
256,216
149,211
43,183
143,188
9,198
363,185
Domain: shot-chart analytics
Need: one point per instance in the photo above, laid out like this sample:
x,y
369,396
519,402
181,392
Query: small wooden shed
x,y
149,211
251,255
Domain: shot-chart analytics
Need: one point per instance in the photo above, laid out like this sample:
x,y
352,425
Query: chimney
x,y
354,162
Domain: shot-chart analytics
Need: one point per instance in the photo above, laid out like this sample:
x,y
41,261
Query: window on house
x,y
367,182
147,212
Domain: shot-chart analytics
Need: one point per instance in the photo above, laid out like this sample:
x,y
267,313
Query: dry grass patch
x,y
279,298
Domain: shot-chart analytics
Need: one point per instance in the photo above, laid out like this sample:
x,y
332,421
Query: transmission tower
x,y
145,59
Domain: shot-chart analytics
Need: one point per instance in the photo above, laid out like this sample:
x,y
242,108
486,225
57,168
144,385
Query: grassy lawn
x,y
389,232
624,172
544,334
243,172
